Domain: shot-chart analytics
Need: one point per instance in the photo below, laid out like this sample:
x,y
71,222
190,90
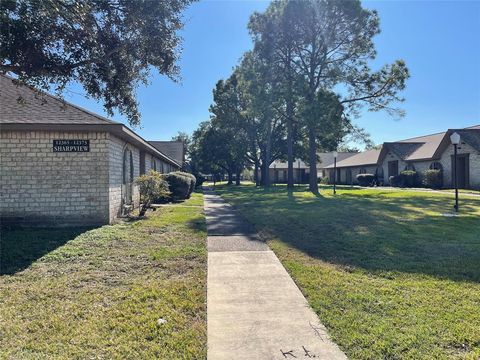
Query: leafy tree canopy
x,y
108,46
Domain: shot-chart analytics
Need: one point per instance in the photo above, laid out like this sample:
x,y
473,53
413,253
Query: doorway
x,y
463,171
392,168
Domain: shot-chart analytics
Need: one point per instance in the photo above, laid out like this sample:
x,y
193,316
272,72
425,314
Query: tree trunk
x,y
230,180
237,177
289,113
255,174
268,156
312,149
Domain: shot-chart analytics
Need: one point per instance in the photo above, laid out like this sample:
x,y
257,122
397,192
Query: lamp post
x,y
335,154
455,139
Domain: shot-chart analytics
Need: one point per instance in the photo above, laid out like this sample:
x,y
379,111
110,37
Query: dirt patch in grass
x,y
100,293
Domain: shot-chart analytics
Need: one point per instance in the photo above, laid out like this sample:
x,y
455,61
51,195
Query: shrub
x,y
179,185
199,180
366,179
410,178
395,181
433,179
324,180
192,178
407,178
152,186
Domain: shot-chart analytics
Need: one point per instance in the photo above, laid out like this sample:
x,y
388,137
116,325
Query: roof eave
x,y
117,129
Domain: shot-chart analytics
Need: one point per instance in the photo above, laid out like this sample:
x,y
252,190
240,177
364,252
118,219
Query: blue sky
x,y
439,40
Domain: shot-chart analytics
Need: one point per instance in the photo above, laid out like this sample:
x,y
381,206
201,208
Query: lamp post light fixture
x,y
335,154
455,139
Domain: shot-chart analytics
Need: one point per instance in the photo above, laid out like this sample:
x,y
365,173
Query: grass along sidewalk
x,y
72,293
388,275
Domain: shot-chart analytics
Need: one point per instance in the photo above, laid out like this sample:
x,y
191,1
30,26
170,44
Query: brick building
x,y
421,153
62,165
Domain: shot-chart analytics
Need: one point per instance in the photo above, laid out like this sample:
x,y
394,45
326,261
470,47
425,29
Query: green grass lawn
x,y
387,273
98,294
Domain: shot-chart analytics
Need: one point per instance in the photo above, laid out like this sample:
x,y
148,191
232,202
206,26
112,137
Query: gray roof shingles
x,y
325,159
369,157
20,104
173,149
414,149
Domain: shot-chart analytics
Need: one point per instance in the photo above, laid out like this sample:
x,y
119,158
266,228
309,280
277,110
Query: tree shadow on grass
x,y
19,248
381,235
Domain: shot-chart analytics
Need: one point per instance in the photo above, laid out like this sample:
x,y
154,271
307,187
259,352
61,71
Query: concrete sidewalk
x,y
255,310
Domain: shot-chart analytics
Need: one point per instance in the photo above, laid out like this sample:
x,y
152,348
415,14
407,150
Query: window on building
x,y
436,166
127,176
362,171
131,167
410,167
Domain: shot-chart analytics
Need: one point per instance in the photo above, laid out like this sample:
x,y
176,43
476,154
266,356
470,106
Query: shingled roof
x,y
419,148
24,108
471,136
173,149
369,157
428,145
325,159
21,104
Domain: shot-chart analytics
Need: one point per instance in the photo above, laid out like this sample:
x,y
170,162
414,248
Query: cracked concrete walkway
x,y
255,310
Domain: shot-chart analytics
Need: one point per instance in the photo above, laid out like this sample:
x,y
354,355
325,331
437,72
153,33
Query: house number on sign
x,y
71,145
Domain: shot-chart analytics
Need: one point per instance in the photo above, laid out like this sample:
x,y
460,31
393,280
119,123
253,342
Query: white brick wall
x,y
116,149
391,157
474,165
38,185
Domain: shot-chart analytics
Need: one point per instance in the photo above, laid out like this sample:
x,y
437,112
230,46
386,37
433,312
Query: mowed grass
x,y
387,273
99,294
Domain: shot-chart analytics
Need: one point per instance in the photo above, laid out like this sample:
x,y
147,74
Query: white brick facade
x,y
42,187
37,184
421,166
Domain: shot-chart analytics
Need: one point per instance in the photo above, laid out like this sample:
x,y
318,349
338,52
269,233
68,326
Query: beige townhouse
x,y
63,165
421,153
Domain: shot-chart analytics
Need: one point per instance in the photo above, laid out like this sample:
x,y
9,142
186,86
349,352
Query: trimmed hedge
x,y
181,184
407,178
366,179
433,179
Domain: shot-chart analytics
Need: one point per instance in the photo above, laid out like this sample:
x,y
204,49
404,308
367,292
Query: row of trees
x,y
296,92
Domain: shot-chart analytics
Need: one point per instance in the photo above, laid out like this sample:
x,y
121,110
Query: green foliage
x,y
107,46
366,179
179,184
193,181
406,178
152,187
311,39
411,178
118,279
433,179
324,180
385,257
